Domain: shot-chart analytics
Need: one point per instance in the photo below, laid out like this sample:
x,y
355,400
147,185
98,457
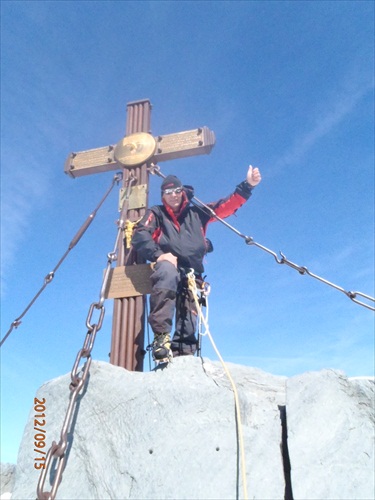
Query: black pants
x,y
170,297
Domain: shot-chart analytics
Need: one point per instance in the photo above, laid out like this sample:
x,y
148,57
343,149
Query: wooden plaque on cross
x,y
134,153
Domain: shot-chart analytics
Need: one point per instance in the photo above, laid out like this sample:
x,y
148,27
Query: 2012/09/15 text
x,y
40,432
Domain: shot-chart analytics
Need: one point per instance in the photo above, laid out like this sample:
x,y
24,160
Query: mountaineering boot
x,y
161,347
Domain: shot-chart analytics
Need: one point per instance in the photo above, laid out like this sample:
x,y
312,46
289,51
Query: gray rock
x,y
7,477
172,434
331,436
164,434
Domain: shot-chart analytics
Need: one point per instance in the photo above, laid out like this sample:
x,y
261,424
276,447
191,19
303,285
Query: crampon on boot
x,y
161,348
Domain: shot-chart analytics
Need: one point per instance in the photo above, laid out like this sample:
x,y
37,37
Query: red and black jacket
x,y
183,234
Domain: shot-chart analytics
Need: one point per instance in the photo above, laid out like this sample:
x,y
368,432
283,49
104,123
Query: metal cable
x,y
155,170
47,280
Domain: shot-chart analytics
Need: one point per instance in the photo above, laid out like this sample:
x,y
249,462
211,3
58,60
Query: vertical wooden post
x,y
127,345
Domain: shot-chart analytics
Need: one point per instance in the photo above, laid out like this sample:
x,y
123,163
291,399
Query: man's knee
x,y
165,276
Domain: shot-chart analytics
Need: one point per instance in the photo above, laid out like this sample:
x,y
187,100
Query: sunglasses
x,y
172,190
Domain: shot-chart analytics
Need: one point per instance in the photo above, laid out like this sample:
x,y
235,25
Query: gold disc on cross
x,y
135,149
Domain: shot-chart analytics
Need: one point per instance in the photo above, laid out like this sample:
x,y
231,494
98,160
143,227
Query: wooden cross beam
x,y
134,153
167,147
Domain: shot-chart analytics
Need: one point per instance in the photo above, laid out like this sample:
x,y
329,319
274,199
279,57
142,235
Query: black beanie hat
x,y
171,181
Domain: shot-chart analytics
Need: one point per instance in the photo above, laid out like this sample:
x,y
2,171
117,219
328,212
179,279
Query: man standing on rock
x,y
173,236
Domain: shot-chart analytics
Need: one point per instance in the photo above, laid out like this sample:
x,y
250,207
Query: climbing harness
x,y
183,293
194,291
203,288
47,280
79,375
155,170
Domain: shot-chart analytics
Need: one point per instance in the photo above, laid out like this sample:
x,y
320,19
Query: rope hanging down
x,y
47,280
155,170
192,285
79,375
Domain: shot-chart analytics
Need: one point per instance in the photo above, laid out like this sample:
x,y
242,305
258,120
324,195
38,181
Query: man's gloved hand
x,y
169,257
209,246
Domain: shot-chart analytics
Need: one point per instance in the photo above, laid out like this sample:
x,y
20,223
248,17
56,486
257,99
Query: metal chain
x,y
155,170
79,375
47,280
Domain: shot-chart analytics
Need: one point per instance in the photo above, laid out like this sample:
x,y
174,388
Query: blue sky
x,y
286,86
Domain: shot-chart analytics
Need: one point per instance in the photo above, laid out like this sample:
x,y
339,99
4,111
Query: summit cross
x,y
134,154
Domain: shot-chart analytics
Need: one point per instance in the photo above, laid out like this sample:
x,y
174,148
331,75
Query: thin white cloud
x,y
352,91
20,196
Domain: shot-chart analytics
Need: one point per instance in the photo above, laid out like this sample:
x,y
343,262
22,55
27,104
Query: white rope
x,y
193,288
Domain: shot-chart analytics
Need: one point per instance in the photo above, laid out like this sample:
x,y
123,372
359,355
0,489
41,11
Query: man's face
x,y
173,198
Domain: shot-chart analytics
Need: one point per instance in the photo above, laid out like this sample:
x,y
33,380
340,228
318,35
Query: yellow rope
x,y
193,288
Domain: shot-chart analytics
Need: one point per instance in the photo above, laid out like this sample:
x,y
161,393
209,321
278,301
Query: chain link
x,y
79,374
155,170
47,280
